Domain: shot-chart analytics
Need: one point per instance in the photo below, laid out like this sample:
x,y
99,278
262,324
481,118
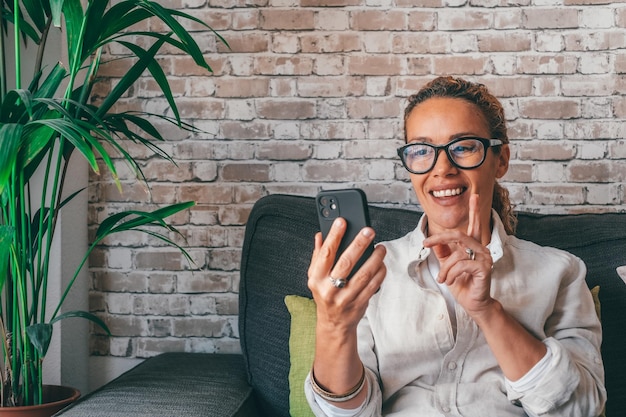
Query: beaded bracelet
x,y
338,398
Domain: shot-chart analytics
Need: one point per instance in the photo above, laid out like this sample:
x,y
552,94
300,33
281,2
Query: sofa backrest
x,y
277,248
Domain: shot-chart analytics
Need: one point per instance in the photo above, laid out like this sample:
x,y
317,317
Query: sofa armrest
x,y
173,384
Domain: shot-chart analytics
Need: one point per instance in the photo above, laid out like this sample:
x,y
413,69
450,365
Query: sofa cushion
x,y
301,351
173,384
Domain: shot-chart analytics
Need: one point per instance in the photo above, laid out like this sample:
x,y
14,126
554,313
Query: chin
x,y
448,221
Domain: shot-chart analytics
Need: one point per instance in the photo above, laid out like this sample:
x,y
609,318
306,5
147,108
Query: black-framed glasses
x,y
465,153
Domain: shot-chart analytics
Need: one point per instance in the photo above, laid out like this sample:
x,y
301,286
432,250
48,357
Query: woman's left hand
x,y
465,263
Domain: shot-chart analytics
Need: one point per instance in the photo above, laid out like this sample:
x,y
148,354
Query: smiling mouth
x,y
450,192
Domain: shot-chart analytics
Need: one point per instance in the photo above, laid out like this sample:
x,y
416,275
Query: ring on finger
x,y
338,282
470,254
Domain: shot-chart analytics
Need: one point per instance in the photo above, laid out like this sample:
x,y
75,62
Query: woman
x,y
458,317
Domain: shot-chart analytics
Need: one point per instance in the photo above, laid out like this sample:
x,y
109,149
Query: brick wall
x,y
311,96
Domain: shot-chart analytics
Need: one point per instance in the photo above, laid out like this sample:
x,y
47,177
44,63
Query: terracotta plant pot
x,y
56,398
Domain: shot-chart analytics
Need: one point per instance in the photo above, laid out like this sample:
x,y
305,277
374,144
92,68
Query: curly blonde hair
x,y
493,112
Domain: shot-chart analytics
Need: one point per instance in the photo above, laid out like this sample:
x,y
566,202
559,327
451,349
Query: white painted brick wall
x,y
311,96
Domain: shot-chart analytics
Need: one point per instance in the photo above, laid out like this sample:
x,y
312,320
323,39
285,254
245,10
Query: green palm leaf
x,y
129,78
82,314
115,223
56,8
191,47
75,134
52,82
40,334
74,24
36,12
157,73
10,135
44,212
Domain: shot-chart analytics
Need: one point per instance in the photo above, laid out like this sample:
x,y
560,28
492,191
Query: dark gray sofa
x,y
277,247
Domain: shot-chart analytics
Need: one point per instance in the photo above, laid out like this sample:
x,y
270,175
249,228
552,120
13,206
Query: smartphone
x,y
350,204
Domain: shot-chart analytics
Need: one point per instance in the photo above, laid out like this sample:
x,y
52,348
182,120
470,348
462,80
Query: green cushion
x,y
301,351
595,293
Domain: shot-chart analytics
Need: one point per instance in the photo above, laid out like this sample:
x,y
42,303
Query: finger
x,y
442,251
444,244
325,251
318,243
449,269
473,227
350,257
369,277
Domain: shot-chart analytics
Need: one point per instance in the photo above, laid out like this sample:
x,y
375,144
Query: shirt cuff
x,y
332,410
558,380
532,377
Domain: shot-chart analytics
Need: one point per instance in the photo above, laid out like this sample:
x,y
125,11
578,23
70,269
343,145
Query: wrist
x,y
337,329
488,313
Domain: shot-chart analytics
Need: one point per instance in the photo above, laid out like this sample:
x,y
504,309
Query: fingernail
x,y
367,232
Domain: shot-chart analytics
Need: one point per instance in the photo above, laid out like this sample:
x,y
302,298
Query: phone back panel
x,y
350,204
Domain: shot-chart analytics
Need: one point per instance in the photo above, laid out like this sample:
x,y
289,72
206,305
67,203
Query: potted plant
x,y
42,125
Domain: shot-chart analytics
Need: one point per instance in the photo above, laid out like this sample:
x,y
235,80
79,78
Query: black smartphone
x,y
350,204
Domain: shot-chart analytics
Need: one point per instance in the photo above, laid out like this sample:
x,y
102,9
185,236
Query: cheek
x,y
417,181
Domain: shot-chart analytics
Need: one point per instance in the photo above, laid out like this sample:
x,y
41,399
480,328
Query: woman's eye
x,y
464,148
418,151
460,149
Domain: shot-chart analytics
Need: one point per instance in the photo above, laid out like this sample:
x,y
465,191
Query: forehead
x,y
447,117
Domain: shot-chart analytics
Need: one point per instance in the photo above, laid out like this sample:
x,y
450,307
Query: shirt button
x,y
446,409
439,316
452,366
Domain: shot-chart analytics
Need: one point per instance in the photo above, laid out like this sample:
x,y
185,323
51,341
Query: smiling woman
x,y
440,318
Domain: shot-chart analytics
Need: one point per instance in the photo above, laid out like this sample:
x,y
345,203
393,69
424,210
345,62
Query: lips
x,y
448,192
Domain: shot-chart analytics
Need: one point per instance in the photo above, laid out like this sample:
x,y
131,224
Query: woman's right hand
x,y
342,308
337,365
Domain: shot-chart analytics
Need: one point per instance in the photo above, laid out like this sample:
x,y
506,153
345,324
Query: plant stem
x,y
3,67
18,57
42,47
22,285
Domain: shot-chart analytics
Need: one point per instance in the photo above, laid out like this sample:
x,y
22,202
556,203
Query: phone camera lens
x,y
324,201
325,212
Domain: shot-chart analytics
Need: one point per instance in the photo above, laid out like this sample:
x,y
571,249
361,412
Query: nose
x,y
443,165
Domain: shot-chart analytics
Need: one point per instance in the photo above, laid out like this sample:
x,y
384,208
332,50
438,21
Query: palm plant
x,y
41,126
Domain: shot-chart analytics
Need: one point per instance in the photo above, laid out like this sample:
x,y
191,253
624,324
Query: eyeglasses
x,y
464,153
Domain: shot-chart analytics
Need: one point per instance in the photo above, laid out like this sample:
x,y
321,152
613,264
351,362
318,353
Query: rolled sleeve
x,y
558,384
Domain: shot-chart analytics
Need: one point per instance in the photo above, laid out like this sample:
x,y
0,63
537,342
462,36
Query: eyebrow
x,y
425,139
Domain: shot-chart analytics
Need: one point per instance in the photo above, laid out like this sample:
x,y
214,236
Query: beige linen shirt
x,y
417,367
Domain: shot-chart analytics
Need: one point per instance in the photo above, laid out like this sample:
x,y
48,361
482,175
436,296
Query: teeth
x,y
448,192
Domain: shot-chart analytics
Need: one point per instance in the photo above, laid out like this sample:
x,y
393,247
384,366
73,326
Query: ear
x,y
503,161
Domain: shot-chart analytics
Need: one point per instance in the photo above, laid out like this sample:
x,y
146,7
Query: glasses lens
x,y
467,153
418,157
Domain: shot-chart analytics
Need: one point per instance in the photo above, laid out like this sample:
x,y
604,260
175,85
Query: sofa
x,y
275,256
